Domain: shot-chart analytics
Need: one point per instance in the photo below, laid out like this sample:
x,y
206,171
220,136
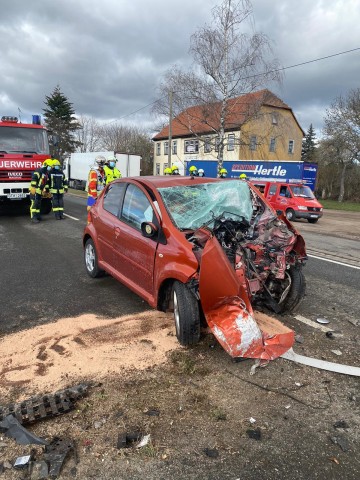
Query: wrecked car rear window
x,y
192,206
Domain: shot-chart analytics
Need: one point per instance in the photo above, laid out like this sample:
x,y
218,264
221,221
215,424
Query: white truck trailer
x,y
77,166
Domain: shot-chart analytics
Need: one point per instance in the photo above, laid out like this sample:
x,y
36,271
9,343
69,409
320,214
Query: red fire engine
x,y
23,148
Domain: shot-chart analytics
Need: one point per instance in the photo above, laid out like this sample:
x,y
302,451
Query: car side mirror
x,y
149,229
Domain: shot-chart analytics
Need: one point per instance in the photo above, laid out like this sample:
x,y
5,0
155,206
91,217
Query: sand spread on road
x,y
56,355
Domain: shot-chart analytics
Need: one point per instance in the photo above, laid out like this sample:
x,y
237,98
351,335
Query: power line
x,y
252,76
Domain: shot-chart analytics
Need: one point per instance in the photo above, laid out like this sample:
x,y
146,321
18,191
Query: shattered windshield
x,y
191,206
302,191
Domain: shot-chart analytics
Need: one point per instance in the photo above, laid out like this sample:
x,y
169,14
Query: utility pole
x,y
170,132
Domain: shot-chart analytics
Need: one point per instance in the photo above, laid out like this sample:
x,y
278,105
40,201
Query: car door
x,y
135,254
106,223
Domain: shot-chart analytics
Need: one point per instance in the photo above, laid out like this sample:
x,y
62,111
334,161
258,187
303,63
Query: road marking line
x,y
309,322
73,218
334,261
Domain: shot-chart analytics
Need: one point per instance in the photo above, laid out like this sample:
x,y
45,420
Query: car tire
x,y
312,220
91,260
290,214
297,289
186,315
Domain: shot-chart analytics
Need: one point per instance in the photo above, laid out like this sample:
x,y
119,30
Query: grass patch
x,y
345,206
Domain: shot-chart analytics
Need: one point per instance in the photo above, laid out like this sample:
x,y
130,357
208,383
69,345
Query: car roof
x,y
163,181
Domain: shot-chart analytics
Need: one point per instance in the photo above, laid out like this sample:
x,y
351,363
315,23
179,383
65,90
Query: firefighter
x,y
58,184
193,171
201,172
222,173
167,171
111,172
39,184
243,177
175,170
96,181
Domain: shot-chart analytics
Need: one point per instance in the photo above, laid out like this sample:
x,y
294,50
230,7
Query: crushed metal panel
x,y
229,313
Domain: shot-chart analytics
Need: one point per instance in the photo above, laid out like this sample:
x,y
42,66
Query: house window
x,y
174,147
157,171
191,146
164,166
158,146
166,148
274,118
217,143
272,144
231,142
291,146
207,145
253,142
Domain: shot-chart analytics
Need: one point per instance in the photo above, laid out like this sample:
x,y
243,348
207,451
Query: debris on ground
x,y
22,462
342,441
11,427
340,424
323,321
46,406
254,433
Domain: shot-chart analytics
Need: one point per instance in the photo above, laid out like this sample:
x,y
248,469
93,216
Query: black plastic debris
x,y
334,334
342,442
341,424
46,406
152,412
39,470
254,433
211,452
56,452
11,427
128,440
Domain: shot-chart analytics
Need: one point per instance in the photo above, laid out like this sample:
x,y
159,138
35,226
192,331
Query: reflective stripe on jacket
x,y
57,181
111,174
95,182
39,181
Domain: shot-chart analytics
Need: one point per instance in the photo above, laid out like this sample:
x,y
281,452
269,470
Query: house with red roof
x,y
257,126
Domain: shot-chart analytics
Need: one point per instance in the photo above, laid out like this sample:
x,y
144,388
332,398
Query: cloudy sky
x,y
109,55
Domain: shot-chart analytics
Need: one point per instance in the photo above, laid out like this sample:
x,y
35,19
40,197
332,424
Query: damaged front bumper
x,y
229,314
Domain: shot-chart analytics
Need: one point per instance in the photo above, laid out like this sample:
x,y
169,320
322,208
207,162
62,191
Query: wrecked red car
x,y
210,250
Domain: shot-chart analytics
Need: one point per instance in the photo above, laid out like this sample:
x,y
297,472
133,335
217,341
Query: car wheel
x,y
290,214
296,291
186,315
91,262
286,293
312,220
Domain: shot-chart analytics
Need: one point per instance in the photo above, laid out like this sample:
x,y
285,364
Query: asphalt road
x,y
43,277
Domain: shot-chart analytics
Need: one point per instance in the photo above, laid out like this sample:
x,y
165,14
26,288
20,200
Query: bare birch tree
x,y
88,135
342,133
230,59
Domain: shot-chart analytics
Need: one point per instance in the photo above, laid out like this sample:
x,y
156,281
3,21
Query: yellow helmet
x,y
174,167
48,162
243,176
192,169
167,171
55,162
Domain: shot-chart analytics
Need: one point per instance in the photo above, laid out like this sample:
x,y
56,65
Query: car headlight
x,y
301,207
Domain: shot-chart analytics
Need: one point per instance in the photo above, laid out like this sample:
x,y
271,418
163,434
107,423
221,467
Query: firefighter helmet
x,y
55,162
243,176
48,162
223,172
192,169
201,172
100,160
167,171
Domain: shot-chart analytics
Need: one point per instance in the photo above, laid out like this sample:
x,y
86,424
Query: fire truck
x,y
23,148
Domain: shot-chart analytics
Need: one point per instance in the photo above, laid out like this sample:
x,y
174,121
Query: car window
x,y
272,189
113,197
136,207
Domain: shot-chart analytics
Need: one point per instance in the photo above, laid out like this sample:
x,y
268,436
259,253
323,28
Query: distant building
x,y
259,126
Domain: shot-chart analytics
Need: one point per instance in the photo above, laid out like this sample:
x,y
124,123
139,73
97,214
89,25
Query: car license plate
x,y
314,216
15,196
